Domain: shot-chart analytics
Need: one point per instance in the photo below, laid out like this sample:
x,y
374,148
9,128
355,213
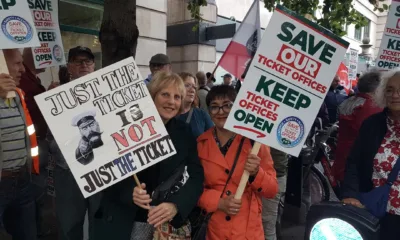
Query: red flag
x,y
244,44
343,74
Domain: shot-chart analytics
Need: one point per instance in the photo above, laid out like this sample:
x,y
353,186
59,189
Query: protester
x,y
336,95
270,214
198,119
375,152
210,80
227,80
71,206
352,113
159,62
203,90
168,93
18,155
232,219
31,85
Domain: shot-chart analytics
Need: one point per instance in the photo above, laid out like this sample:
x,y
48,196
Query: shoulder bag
x,y
199,225
376,201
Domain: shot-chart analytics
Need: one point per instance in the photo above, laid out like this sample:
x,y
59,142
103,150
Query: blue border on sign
x,y
279,131
29,34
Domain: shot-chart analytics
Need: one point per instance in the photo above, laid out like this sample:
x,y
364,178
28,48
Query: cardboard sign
x,y
51,51
353,62
287,82
389,51
17,27
106,126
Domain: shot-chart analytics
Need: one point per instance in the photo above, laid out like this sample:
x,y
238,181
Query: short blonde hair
x,y
162,80
380,98
185,75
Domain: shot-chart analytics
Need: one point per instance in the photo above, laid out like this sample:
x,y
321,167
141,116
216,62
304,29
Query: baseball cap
x,y
227,75
160,59
76,51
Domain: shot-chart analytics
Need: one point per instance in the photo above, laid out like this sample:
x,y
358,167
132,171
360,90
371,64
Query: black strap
x,y
234,165
392,177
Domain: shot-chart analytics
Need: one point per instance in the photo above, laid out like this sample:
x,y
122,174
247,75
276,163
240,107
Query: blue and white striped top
x,y
13,135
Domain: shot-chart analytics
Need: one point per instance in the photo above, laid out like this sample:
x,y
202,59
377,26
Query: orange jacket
x,y
31,133
247,224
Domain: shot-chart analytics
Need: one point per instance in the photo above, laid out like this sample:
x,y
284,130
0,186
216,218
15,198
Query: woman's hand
x,y
252,164
230,205
353,201
164,212
140,197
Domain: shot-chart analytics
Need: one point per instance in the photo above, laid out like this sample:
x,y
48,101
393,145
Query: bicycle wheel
x,y
319,188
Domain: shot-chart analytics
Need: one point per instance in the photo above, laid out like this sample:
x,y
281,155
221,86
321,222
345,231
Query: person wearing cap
x,y
228,80
31,84
69,196
210,80
91,136
159,62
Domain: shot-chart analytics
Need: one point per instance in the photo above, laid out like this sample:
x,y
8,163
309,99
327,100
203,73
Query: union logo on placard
x,y
290,132
17,29
58,53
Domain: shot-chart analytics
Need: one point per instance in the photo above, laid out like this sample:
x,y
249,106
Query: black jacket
x,y
118,212
359,166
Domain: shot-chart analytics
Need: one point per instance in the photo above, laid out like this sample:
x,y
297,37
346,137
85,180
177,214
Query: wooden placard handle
x,y
245,176
4,69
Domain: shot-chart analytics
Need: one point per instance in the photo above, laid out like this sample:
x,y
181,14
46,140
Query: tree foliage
x,y
332,14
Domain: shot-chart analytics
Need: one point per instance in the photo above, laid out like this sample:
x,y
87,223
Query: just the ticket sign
x,y
389,51
287,82
106,126
51,50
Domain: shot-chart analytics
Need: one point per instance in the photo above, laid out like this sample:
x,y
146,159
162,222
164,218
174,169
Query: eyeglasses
x,y
390,92
226,108
189,86
88,62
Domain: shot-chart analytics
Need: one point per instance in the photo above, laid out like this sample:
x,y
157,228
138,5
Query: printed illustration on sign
x,y
17,29
106,126
290,132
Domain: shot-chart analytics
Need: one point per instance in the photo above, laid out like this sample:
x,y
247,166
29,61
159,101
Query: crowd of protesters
x,y
208,165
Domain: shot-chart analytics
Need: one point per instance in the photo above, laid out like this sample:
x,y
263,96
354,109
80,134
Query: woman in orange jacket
x,y
232,219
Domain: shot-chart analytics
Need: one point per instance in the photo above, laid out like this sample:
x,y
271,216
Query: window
x,y
345,28
357,34
367,29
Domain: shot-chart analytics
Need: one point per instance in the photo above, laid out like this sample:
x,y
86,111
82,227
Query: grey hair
x,y
369,81
380,98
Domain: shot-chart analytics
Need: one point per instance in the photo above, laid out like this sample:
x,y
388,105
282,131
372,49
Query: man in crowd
x,y
336,95
210,80
18,155
203,90
68,194
159,62
32,86
228,80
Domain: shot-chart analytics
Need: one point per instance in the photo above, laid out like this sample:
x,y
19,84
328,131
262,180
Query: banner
x,y
287,82
353,63
343,74
243,46
17,27
389,51
51,51
106,126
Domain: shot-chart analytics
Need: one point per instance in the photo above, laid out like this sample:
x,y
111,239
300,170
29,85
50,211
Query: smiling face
x,y
219,110
168,102
392,93
190,85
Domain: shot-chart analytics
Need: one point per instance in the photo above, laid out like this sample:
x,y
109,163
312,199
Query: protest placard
x,y
389,51
287,82
106,126
51,51
353,62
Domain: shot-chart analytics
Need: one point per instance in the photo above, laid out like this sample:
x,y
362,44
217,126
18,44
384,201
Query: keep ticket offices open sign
x,y
389,51
287,82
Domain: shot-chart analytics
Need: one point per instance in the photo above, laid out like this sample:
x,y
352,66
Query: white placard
x,y
51,51
353,62
287,82
112,105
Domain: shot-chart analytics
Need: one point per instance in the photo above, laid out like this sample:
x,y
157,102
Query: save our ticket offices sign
x,y
287,82
51,51
389,51
106,126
